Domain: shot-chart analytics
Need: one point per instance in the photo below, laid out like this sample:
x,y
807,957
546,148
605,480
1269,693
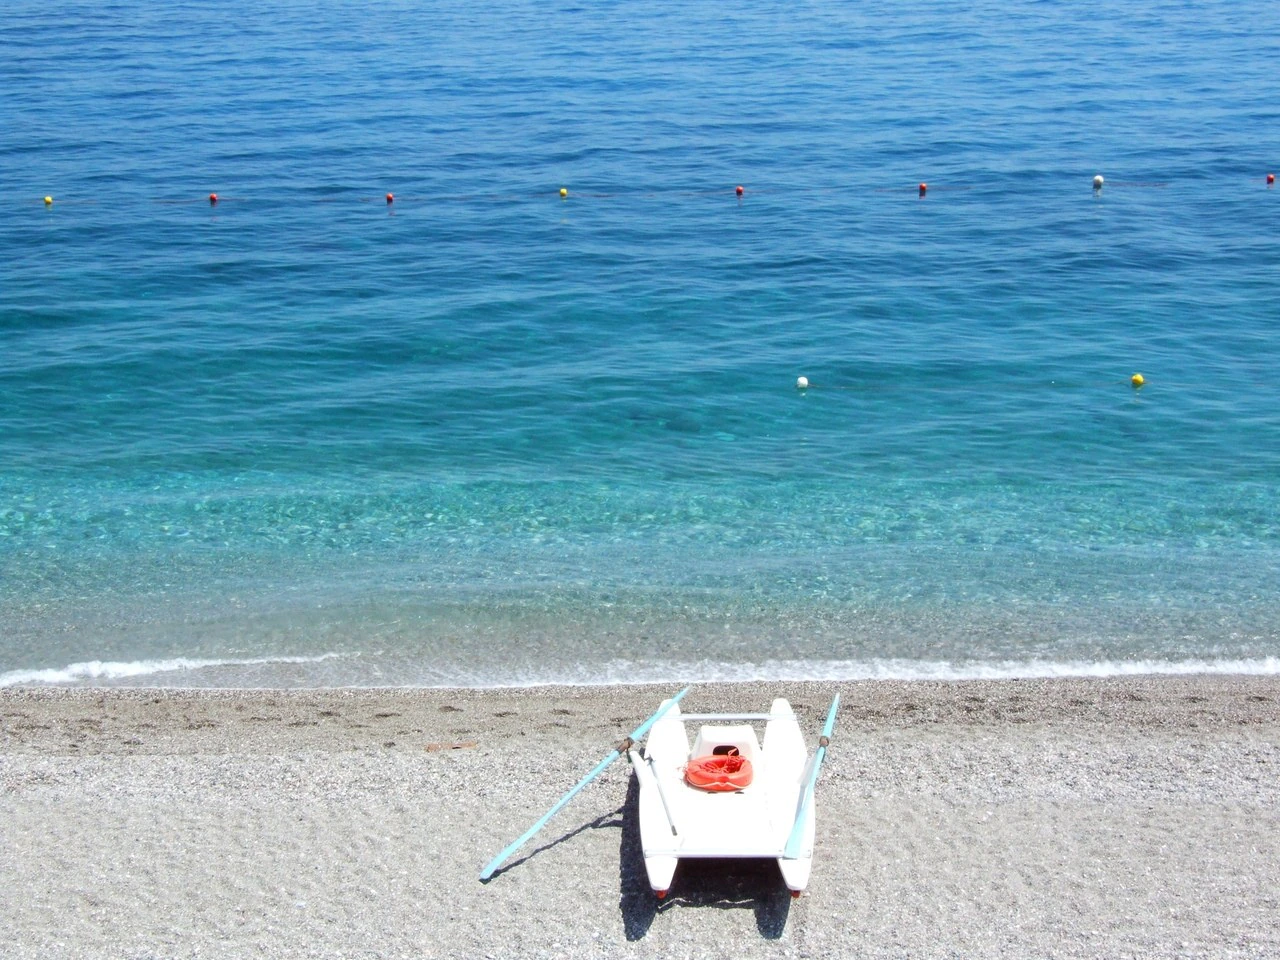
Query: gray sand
x,y
1068,818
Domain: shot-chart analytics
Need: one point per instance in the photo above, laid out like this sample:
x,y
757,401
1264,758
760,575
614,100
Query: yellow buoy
x,y
48,201
563,193
1137,380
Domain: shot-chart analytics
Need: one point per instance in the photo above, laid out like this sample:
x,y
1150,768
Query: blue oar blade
x,y
796,839
525,837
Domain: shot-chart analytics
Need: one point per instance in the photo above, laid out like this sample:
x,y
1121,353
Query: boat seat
x,y
714,740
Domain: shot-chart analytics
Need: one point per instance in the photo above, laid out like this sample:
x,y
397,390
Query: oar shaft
x,y
542,822
662,795
525,837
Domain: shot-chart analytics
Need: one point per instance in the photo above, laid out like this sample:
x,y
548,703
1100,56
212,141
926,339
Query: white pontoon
x,y
770,817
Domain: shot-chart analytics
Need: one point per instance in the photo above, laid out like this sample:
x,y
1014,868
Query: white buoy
x,y
1097,182
802,383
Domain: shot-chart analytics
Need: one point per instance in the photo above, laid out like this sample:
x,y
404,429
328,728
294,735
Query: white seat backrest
x,y
718,739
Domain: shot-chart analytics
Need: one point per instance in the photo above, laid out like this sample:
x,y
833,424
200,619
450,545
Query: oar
x,y
792,849
617,751
647,774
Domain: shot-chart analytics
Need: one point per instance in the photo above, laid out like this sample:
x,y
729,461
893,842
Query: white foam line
x,y
117,670
838,670
1036,669
618,673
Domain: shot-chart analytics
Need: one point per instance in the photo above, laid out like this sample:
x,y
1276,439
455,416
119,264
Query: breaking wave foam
x,y
1047,669
841,670
363,671
118,670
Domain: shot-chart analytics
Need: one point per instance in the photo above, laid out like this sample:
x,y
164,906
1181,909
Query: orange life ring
x,y
723,772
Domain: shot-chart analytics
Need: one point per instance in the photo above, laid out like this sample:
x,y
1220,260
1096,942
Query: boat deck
x,y
740,824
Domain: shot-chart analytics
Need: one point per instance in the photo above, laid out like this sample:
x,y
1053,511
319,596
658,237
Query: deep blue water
x,y
484,434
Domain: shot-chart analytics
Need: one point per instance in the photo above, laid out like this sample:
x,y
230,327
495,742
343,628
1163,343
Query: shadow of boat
x,y
729,884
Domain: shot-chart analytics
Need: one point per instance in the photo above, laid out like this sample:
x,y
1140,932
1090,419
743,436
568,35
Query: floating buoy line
x,y
802,383
1137,381
922,190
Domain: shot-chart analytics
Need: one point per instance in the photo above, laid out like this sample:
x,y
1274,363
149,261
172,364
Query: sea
x,y
482,371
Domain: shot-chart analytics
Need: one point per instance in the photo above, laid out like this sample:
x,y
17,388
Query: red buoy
x,y
213,198
738,190
391,198
924,188
1271,178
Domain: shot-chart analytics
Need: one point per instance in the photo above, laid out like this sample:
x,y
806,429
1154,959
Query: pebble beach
x,y
1035,818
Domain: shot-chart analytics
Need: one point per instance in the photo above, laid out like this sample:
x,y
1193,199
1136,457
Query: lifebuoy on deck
x,y
723,772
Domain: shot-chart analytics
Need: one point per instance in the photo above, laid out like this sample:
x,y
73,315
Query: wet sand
x,y
1059,818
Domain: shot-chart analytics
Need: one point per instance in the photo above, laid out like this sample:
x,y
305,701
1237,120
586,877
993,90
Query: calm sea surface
x,y
488,435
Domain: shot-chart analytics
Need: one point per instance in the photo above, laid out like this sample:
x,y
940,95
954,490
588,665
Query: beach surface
x,y
1036,818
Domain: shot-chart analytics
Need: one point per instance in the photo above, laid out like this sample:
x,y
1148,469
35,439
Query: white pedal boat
x,y
770,818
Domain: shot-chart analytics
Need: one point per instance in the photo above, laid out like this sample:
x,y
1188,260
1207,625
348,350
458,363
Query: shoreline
x,y
1065,817
293,673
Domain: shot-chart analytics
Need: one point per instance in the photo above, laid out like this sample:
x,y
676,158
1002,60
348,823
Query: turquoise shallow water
x,y
487,435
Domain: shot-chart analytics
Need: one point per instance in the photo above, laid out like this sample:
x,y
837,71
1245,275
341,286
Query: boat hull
x,y
679,821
